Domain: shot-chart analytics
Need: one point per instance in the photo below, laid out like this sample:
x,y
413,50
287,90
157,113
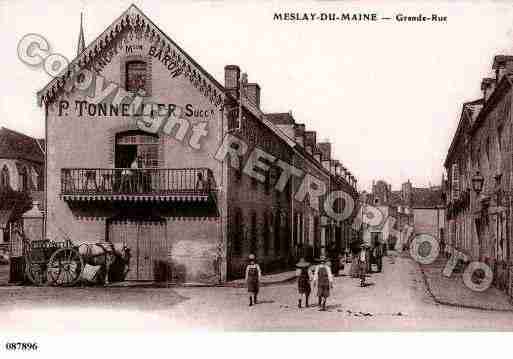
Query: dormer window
x,y
4,178
136,76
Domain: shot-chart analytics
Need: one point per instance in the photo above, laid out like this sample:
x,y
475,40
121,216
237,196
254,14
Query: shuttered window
x,y
4,178
455,185
136,73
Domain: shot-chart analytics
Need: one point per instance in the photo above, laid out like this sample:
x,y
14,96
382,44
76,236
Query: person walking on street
x,y
378,256
362,265
303,281
324,281
253,276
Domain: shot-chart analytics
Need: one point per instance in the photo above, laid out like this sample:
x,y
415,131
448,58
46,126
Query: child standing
x,y
303,282
324,280
253,275
362,265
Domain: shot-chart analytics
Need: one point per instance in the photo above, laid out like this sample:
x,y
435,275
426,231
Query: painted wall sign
x,y
85,108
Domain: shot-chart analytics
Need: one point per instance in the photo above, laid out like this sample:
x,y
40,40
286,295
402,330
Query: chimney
x,y
487,86
299,134
338,170
231,79
317,154
500,66
310,141
333,165
325,148
284,121
253,93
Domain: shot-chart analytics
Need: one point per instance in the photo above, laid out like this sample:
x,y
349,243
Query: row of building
x,y
403,213
479,179
177,206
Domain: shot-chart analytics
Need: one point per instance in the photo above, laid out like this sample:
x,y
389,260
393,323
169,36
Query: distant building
x,y
21,172
422,209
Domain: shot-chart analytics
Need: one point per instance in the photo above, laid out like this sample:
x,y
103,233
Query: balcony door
x,y
136,145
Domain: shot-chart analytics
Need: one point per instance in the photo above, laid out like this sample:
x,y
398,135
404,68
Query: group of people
x,y
319,277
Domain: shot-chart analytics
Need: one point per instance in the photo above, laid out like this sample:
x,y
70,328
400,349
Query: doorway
x,y
148,246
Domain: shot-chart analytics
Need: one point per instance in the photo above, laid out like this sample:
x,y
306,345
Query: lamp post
x,y
477,183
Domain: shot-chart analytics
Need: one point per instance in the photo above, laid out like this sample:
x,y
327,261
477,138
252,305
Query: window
x,y
287,234
134,145
237,232
4,178
253,239
487,149
266,234
136,73
455,183
277,234
24,179
499,147
267,182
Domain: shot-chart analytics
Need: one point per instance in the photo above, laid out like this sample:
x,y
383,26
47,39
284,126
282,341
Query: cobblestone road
x,y
395,300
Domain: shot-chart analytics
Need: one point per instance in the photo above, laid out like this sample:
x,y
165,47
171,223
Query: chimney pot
x,y
231,77
253,93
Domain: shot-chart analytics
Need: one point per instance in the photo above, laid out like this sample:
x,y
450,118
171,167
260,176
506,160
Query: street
x,y
393,300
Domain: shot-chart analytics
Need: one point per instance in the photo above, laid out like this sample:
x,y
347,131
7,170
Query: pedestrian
x,y
253,276
304,278
362,265
378,256
324,280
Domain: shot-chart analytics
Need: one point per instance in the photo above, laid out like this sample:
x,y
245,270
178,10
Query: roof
x,y
426,198
280,118
502,87
133,16
469,111
17,145
500,60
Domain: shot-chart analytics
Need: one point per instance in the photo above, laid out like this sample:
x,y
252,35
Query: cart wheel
x,y
36,273
65,267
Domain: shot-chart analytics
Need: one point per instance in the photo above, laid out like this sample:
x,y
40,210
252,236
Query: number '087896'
x,y
12,346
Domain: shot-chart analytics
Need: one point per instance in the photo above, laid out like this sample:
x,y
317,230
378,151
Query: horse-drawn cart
x,y
64,264
52,263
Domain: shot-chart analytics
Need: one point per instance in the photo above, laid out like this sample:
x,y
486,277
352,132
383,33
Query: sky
x,y
387,94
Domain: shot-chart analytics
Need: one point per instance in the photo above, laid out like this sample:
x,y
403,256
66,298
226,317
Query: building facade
x,y
479,222
21,177
192,193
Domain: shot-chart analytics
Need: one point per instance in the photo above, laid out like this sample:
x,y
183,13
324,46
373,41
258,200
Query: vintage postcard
x,y
257,166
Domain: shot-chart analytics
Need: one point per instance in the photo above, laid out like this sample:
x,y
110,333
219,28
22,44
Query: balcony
x,y
145,185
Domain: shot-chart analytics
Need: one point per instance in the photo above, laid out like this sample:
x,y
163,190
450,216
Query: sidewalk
x,y
452,291
269,279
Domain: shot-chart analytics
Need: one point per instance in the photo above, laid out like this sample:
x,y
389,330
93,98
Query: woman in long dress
x,y
324,281
253,276
362,265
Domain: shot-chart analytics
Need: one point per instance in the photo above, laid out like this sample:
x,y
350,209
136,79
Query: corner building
x,y
188,211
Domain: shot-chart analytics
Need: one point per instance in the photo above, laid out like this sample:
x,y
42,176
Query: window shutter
x,y
455,181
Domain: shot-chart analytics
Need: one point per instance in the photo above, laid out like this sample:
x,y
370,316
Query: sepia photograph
x,y
221,166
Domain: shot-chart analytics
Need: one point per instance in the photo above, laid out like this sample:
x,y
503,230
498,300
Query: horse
x,y
105,255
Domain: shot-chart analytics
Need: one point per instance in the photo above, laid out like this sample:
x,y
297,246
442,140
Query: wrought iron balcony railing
x,y
142,181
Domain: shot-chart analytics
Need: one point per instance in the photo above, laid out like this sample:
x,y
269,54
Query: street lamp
x,y
477,183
